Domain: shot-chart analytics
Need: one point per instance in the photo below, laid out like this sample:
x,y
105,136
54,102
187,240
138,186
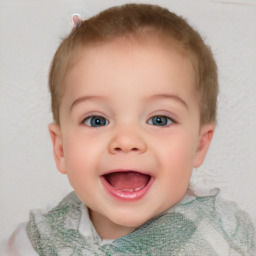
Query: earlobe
x,y
206,134
55,134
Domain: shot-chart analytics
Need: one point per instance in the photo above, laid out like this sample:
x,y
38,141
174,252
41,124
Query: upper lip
x,y
126,170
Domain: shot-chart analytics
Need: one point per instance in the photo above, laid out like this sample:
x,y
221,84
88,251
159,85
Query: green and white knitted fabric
x,y
203,225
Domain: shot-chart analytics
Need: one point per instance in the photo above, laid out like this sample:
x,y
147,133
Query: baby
x,y
134,93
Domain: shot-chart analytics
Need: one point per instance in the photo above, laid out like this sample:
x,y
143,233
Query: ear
x,y
55,133
205,137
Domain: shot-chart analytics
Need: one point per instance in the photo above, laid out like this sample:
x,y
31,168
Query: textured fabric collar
x,y
195,225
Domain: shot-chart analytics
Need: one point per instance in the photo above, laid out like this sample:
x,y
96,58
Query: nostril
x,y
126,144
123,149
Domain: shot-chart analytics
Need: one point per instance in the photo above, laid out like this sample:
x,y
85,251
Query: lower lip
x,y
124,195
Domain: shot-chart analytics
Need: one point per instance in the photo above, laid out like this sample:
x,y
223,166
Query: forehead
x,y
127,77
123,58
127,42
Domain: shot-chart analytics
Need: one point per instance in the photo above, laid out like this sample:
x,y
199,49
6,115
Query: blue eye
x,y
95,121
160,121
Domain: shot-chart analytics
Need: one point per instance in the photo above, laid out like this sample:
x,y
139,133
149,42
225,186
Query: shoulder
x,y
237,226
27,235
53,229
19,244
220,222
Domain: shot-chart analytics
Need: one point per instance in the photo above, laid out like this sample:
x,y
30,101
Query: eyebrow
x,y
85,98
166,96
170,96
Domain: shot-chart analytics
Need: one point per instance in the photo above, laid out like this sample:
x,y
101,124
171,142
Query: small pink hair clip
x,y
76,20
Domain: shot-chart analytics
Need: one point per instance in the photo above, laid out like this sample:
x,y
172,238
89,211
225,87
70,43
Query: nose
x,y
127,140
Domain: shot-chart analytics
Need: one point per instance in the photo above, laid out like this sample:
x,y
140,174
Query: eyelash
x,y
158,118
96,118
100,121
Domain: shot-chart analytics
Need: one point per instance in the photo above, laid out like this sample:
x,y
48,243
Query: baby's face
x,y
130,132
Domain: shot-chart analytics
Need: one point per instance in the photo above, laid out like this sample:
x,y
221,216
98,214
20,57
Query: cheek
x,y
82,152
177,169
177,156
77,154
79,164
180,148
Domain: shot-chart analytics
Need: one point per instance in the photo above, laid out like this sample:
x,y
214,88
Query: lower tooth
x,y
131,190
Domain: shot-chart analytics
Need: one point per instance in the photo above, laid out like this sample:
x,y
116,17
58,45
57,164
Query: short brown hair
x,y
139,20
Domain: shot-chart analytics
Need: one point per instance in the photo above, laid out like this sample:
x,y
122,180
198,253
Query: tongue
x,y
127,181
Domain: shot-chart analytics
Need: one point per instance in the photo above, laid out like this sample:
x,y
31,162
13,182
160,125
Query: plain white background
x,y
30,31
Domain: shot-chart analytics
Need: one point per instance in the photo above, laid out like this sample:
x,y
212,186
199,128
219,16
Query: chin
x,y
132,220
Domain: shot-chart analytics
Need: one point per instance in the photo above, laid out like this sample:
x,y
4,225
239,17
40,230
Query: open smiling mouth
x,y
127,185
